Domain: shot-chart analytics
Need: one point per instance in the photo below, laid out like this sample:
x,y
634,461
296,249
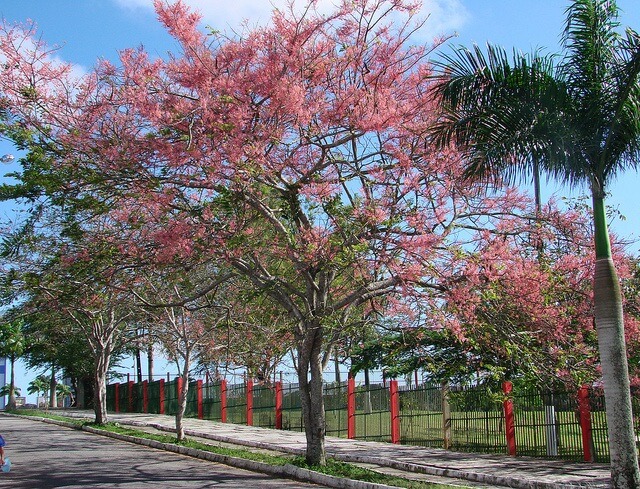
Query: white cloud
x,y
445,16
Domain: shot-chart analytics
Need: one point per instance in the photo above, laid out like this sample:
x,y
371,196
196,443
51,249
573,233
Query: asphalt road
x,y
46,456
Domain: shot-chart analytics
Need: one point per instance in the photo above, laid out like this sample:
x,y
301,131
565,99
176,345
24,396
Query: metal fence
x,y
237,404
421,416
212,401
547,424
477,419
264,406
335,408
373,420
292,408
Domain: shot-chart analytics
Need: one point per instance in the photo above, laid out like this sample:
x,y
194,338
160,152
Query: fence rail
x,y
515,421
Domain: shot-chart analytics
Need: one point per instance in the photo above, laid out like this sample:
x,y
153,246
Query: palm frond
x,y
591,41
621,148
500,110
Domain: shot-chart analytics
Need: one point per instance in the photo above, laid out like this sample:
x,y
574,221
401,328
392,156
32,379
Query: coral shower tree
x,y
295,154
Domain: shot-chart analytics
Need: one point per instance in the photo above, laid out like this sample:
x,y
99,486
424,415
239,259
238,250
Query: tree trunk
x,y
311,395
53,399
182,402
12,384
100,386
138,365
150,361
613,358
368,408
80,394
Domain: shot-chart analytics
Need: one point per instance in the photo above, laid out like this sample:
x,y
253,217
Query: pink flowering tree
x,y
300,149
528,299
295,154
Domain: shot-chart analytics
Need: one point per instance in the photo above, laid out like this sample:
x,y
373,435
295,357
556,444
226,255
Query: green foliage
x,y
438,353
5,390
12,340
39,385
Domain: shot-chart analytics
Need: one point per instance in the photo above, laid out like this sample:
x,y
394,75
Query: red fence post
x,y
161,397
223,401
145,396
199,393
509,418
351,407
585,423
395,411
249,402
117,396
130,391
178,389
278,405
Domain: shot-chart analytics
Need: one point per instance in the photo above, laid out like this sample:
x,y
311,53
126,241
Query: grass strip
x,y
36,413
333,467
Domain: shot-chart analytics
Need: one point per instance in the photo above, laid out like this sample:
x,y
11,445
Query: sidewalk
x,y
520,472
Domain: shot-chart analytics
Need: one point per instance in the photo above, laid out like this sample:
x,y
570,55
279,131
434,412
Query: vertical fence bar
x,y
446,417
249,402
351,407
145,396
585,423
117,396
223,401
199,395
161,397
130,400
278,405
509,418
394,399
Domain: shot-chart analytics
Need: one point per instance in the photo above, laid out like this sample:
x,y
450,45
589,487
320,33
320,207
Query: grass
x,y
333,467
45,414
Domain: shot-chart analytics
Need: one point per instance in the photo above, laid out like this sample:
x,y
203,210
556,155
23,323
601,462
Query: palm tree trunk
x,y
537,192
613,358
12,384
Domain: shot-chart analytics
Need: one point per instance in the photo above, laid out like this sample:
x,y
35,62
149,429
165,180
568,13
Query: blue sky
x,y
90,29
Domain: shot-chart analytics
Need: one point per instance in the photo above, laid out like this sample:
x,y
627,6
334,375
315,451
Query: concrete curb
x,y
287,471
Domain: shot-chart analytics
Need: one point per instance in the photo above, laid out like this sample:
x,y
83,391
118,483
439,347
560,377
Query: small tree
x,y
185,323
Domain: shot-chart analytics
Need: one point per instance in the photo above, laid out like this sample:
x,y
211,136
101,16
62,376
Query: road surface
x,y
46,456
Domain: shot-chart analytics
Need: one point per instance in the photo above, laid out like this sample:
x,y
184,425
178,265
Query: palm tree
x,y
12,345
576,118
39,385
7,389
62,391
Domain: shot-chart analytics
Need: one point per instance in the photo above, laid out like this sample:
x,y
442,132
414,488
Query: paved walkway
x,y
497,470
